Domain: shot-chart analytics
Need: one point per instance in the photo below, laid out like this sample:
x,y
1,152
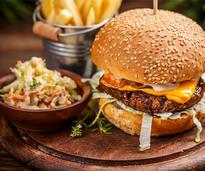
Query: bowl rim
x,y
86,89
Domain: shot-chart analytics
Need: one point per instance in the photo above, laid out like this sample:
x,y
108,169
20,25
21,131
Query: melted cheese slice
x,y
181,94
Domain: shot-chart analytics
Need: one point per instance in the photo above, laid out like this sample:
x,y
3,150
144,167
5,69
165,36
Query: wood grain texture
x,y
7,162
95,151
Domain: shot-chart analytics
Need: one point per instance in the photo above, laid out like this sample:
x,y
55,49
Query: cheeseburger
x,y
153,73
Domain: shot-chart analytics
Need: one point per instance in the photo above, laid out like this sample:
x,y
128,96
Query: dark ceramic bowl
x,y
45,119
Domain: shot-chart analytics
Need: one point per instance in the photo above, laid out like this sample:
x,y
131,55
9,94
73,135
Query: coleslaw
x,y
37,87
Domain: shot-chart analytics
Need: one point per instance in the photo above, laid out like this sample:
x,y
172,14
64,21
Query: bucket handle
x,y
37,16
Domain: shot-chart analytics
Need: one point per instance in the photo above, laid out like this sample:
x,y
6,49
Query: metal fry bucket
x,y
70,49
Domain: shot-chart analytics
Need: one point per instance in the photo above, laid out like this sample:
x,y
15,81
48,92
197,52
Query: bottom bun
x,y
131,123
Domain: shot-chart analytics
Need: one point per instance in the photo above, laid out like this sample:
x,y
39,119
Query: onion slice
x,y
164,87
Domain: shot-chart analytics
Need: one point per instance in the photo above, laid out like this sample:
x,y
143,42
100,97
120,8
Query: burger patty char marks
x,y
145,102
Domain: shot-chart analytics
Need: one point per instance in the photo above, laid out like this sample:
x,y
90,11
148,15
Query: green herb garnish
x,y
93,119
78,125
76,130
103,126
99,123
34,84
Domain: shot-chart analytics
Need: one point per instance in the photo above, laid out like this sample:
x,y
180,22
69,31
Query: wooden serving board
x,y
95,151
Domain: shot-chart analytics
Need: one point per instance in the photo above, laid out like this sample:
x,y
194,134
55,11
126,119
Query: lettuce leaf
x,y
198,126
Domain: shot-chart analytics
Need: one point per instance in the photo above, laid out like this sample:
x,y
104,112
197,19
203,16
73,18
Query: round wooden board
x,y
95,151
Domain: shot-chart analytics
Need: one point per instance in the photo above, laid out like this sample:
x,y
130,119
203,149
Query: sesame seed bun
x,y
146,48
131,123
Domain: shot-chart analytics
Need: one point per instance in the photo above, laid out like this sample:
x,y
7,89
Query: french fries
x,y
70,5
79,12
110,8
86,9
80,4
97,5
91,17
63,17
57,6
51,16
76,15
47,7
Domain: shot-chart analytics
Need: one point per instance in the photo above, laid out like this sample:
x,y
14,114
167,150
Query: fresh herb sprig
x,y
101,124
93,119
78,125
76,129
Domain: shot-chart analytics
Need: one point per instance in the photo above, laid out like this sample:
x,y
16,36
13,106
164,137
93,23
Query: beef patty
x,y
145,102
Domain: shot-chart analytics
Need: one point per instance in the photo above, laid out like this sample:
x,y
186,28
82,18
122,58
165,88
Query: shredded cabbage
x,y
165,115
94,81
200,106
7,88
129,109
198,126
97,95
37,87
145,133
100,111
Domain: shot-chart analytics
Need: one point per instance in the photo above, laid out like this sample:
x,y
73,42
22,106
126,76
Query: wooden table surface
x,y
18,43
7,162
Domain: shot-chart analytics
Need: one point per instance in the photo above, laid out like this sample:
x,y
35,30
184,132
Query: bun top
x,y
146,48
